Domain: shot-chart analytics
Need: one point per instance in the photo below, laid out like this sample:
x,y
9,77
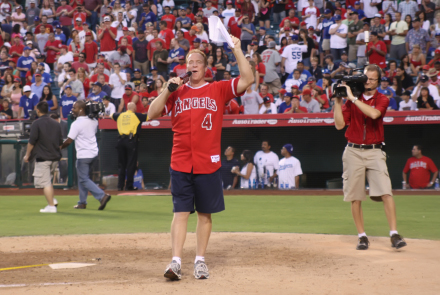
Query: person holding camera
x,y
364,155
83,131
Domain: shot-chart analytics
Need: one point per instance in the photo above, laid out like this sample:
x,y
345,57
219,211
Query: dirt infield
x,y
240,263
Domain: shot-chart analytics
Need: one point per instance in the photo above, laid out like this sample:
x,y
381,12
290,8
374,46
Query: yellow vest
x,y
128,123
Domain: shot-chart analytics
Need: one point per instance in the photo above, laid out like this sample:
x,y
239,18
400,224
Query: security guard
x,y
129,126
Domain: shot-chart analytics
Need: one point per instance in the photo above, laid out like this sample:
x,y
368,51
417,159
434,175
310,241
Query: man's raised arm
x,y
246,75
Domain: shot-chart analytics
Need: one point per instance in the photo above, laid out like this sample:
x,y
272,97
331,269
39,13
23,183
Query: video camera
x,y
93,109
355,82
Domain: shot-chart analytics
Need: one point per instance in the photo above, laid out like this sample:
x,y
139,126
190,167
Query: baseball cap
x,y
337,17
272,44
140,31
26,88
311,28
205,41
195,28
385,79
36,18
253,43
344,53
307,92
311,79
350,7
128,87
27,48
58,26
32,1
407,93
137,70
197,40
424,78
98,84
282,91
303,24
374,34
228,2
16,79
28,41
123,48
355,12
327,11
37,74
294,37
153,69
237,10
181,57
78,19
295,86
262,28
40,56
107,18
288,94
221,16
131,29
247,55
266,99
68,86
125,29
437,51
89,34
426,67
41,64
416,19
288,147
378,15
366,24
357,3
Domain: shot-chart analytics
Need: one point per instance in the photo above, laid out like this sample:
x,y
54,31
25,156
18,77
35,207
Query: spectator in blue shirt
x,y
59,35
286,103
325,40
147,17
385,85
97,94
47,78
67,101
37,87
325,74
24,63
186,21
393,104
357,6
175,52
28,102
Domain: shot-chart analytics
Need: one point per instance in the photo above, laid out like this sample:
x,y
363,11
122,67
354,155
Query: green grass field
x,y
418,216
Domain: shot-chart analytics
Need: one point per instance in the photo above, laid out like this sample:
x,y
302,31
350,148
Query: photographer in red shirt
x,y
420,169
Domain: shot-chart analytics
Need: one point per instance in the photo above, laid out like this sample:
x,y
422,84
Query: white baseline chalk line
x,y
58,284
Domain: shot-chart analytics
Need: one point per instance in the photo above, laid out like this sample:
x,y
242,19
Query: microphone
x,y
185,78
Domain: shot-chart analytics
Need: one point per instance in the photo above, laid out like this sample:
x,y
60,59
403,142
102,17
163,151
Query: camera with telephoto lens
x,y
93,109
355,82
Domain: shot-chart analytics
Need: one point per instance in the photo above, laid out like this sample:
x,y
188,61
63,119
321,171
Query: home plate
x,y
146,194
70,265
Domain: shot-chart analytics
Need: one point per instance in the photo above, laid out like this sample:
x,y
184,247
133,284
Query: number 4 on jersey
x,y
207,123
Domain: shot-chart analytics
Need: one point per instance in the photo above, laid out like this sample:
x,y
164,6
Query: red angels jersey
x,y
419,171
196,118
170,19
232,108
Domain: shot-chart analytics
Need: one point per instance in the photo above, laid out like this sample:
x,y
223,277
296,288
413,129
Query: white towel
x,y
218,32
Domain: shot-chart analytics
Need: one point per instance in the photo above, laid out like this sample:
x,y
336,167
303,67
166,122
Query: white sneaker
x,y
55,202
49,209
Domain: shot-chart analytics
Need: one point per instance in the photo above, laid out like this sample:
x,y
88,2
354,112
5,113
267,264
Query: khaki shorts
x,y
361,163
43,173
325,44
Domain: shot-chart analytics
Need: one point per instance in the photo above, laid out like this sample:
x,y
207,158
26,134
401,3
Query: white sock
x,y
201,258
177,259
392,232
362,235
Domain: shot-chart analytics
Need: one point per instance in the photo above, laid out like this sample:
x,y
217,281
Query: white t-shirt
x,y
370,11
169,3
337,42
289,168
302,4
269,160
433,91
272,109
110,109
293,54
244,183
118,88
361,48
68,57
228,13
251,102
311,21
291,82
83,132
407,106
82,36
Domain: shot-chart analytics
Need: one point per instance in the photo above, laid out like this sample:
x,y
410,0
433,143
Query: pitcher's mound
x,y
239,263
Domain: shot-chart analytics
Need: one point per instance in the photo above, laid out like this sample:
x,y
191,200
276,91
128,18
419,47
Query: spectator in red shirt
x,y
180,69
91,51
81,63
295,108
63,13
49,28
127,36
376,51
151,47
99,70
294,21
191,35
231,108
264,92
52,48
165,34
16,49
107,36
233,24
168,18
420,169
260,67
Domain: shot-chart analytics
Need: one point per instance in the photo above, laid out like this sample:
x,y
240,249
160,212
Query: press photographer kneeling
x,y
83,131
364,157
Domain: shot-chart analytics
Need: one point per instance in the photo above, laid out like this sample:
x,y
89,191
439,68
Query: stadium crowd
x,y
119,51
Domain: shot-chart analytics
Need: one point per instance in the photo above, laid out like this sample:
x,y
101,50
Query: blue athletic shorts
x,y
197,192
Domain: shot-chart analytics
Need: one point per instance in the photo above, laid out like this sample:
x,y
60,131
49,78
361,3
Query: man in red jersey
x,y
130,96
52,48
91,51
364,155
107,35
376,51
292,18
420,169
168,17
233,24
196,116
165,34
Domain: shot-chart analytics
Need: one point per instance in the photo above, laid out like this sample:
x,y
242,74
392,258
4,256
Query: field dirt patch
x,y
239,263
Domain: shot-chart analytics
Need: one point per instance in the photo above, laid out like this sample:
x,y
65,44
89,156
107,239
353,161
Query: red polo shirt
x,y
190,38
197,117
419,171
355,120
376,58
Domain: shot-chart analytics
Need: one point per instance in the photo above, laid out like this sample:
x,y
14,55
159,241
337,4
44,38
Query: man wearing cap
x,y
130,96
309,103
96,94
287,102
28,103
325,39
292,54
106,36
46,77
338,37
186,21
376,51
377,27
385,85
76,85
418,36
38,85
267,107
408,7
271,59
354,29
296,108
398,31
51,48
63,14
407,104
289,169
393,104
31,12
426,82
24,64
59,35
370,7
5,10
66,56
86,30
16,50
180,68
228,13
129,127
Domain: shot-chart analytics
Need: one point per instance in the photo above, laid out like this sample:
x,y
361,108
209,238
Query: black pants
x,y
127,161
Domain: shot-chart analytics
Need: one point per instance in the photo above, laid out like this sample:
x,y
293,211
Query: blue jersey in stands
x,y
176,53
24,62
28,104
47,78
61,37
326,23
148,18
96,97
67,104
